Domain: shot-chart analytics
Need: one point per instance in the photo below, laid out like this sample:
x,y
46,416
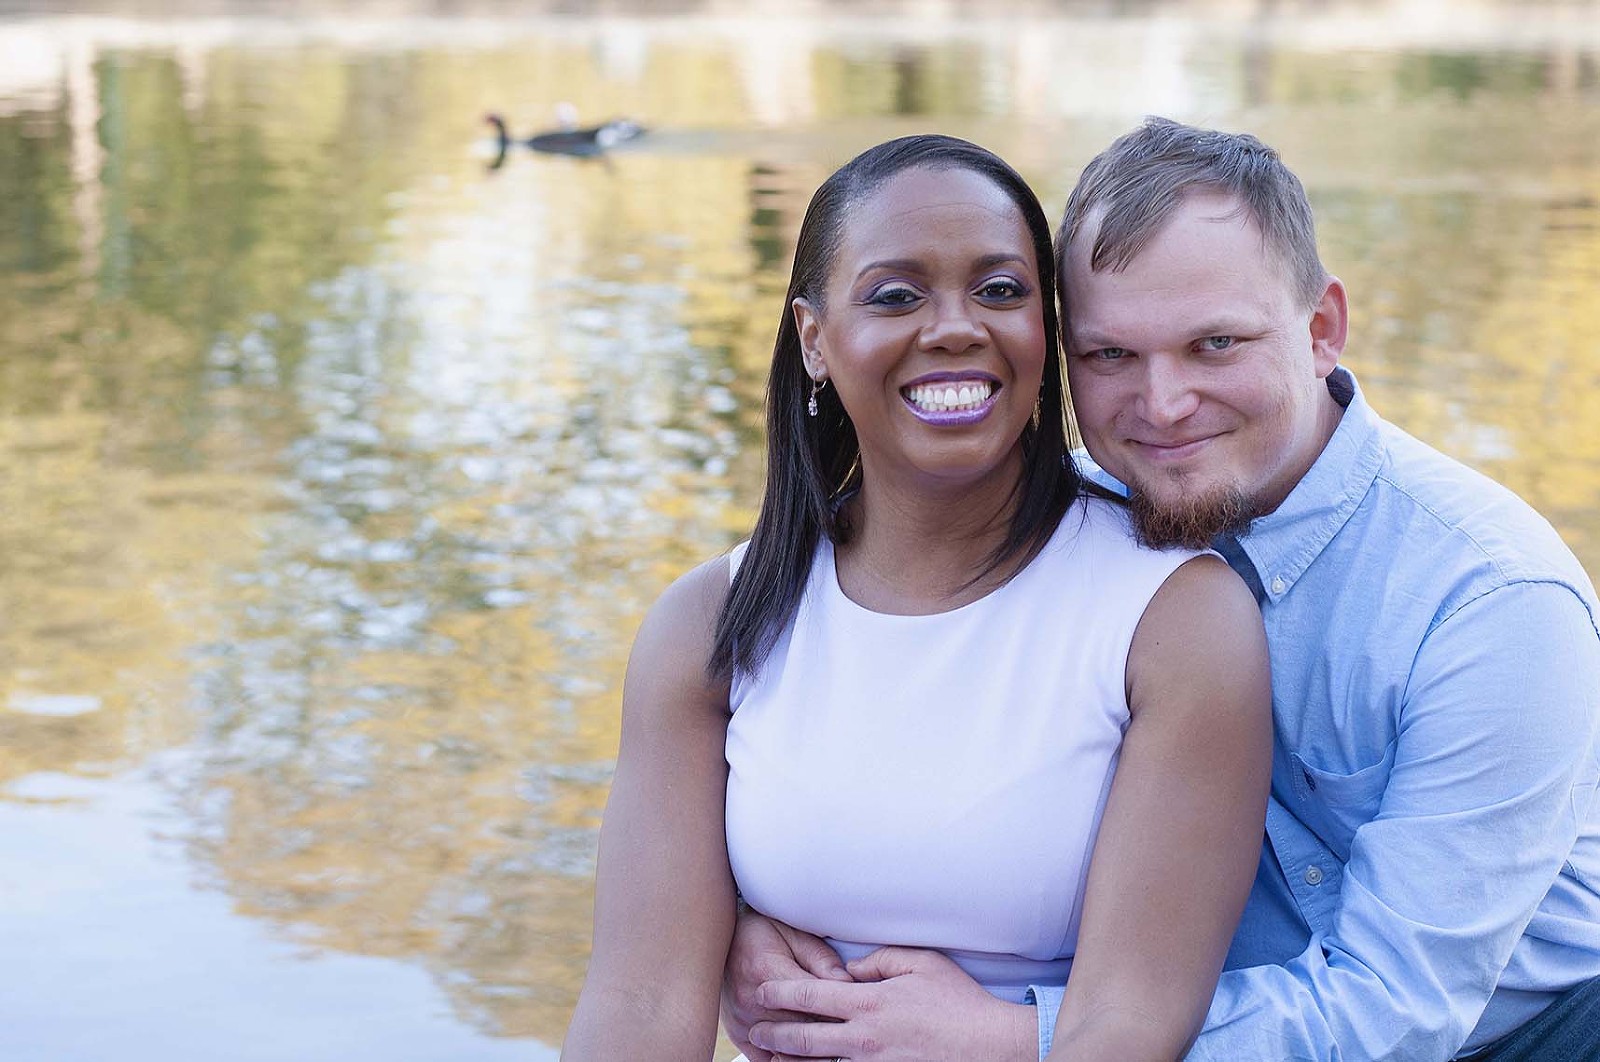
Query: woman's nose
x,y
954,328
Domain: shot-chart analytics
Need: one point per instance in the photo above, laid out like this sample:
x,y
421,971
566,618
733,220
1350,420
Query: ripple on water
x,y
52,787
60,705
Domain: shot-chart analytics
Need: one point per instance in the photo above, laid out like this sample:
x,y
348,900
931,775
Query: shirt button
x,y
1278,584
1313,875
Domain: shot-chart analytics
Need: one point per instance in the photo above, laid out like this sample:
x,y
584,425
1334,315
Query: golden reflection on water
x,y
342,469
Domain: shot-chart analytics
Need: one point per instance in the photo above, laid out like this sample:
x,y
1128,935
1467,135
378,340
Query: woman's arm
x,y
1182,832
664,898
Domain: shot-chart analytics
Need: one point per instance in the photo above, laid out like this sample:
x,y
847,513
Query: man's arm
x,y
1494,770
767,950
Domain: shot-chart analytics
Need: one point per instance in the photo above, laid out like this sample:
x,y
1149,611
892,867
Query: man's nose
x,y
1168,395
954,328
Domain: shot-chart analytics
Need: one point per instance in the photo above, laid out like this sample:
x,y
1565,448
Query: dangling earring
x,y
816,389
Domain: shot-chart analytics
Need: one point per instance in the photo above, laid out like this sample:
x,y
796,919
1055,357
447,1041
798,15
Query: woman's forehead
x,y
944,213
924,187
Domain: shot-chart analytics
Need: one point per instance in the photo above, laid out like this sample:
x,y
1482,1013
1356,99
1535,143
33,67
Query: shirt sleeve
x,y
1494,769
1047,1001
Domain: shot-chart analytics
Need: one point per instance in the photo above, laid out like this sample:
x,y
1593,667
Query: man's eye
x,y
1108,354
1215,343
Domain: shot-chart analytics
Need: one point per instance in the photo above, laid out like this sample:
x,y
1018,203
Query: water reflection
x,y
335,471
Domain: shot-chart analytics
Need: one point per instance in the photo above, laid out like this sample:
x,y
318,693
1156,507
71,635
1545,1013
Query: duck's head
x,y
502,140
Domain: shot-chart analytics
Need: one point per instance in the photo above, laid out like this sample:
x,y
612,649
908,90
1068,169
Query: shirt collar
x,y
1282,544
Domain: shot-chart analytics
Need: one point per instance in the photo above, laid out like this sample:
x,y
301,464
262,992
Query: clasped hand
x,y
787,996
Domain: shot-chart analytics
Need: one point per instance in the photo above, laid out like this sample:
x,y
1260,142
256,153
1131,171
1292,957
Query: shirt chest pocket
x,y
1335,804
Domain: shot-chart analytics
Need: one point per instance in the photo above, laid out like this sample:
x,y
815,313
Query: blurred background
x,y
337,468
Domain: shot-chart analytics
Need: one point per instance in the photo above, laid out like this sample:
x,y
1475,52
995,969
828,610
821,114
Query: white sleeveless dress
x,y
938,781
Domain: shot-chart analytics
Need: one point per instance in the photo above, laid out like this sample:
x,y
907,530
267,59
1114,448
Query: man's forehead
x,y
1206,270
1156,301
1197,212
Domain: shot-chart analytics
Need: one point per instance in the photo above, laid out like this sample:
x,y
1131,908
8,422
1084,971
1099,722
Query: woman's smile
x,y
950,399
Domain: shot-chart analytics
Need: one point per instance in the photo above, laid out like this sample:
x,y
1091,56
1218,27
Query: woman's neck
x,y
916,547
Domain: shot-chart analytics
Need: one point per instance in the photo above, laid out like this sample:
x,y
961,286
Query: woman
x,y
940,674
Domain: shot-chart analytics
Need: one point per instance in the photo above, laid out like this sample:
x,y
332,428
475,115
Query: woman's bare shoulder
x,y
694,598
1202,632
674,643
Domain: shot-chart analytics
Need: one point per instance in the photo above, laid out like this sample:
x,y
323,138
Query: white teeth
x,y
937,398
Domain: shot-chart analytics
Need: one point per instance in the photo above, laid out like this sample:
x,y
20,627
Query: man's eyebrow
x,y
1091,339
1217,326
1222,326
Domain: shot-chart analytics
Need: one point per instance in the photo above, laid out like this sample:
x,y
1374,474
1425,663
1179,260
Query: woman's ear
x,y
808,323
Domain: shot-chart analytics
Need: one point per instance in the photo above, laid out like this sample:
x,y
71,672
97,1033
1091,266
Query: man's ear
x,y
809,324
1330,326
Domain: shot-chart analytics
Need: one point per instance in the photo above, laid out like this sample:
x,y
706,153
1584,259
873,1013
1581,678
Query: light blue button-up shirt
x,y
1431,873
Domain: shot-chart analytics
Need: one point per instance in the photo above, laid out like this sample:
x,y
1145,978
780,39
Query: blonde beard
x,y
1193,521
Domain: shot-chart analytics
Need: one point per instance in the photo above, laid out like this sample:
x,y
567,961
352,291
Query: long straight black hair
x,y
813,461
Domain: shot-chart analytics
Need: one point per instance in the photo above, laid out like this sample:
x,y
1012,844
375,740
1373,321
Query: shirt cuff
x,y
1046,1000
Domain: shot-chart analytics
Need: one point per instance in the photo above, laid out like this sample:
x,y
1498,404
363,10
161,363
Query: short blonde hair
x,y
1132,187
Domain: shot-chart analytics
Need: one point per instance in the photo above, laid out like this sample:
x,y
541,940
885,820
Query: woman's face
x,y
932,329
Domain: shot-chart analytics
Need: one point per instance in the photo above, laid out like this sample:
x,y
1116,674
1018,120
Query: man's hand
x,y
912,1006
764,950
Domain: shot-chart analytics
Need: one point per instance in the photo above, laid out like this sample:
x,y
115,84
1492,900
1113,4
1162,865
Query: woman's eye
x,y
893,295
1214,343
1002,288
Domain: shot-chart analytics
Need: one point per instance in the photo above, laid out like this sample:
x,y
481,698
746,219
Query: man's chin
x,y
1190,521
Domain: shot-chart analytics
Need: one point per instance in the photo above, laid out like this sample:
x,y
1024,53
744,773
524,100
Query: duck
x,y
569,139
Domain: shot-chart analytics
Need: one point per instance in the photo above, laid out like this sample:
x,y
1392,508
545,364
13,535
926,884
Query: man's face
x,y
1197,375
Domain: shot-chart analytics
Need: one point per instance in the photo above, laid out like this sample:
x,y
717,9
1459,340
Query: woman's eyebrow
x,y
988,261
899,264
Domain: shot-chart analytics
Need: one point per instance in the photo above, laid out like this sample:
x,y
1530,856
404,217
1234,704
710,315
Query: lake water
x,y
337,468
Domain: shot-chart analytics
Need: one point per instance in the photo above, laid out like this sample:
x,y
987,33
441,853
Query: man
x,y
1429,886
